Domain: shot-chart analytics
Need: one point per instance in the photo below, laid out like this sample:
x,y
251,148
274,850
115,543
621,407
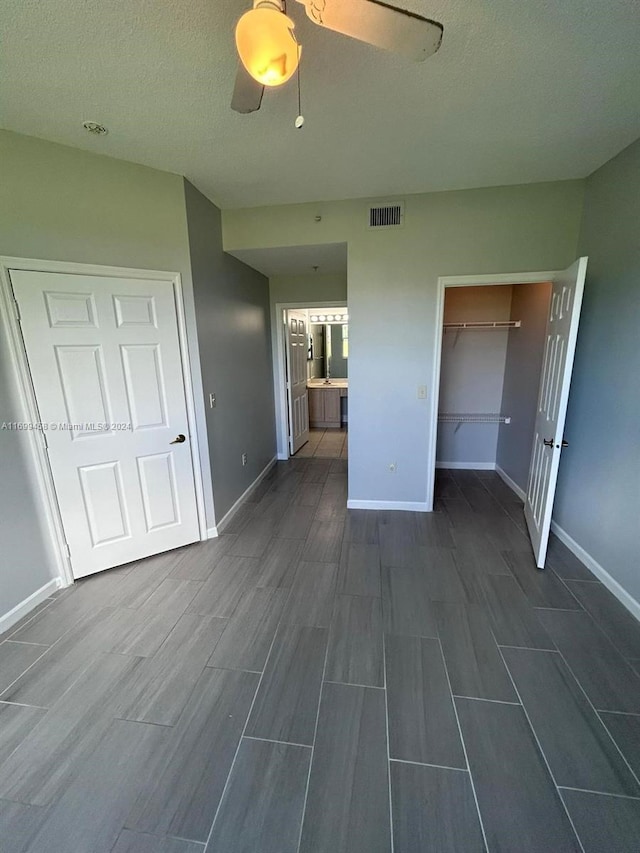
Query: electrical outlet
x,y
392,467
212,401
244,458
422,392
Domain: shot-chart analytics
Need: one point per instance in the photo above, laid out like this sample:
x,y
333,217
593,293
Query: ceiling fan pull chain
x,y
299,122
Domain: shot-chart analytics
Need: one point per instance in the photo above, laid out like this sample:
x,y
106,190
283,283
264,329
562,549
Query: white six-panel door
x,y
557,365
105,361
297,380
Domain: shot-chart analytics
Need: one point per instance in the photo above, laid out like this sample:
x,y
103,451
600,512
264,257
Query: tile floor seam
x,y
484,699
464,749
599,793
246,723
603,723
273,740
315,729
427,764
386,719
542,753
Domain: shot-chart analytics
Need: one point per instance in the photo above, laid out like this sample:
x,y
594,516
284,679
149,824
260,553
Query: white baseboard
x,y
16,613
406,506
282,457
511,483
469,466
212,533
219,528
599,571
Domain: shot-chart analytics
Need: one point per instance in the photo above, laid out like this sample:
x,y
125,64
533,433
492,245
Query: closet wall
x,y
492,371
471,374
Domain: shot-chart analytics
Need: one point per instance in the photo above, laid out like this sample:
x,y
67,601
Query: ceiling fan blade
x,y
379,24
247,92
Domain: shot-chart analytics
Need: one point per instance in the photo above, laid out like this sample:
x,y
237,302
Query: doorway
x,y
101,358
313,379
501,381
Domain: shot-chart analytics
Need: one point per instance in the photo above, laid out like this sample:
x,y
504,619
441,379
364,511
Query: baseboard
x,y
511,483
406,506
20,610
219,528
282,457
212,533
599,571
468,466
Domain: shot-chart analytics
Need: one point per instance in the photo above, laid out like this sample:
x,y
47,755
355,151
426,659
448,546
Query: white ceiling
x,y
296,260
522,91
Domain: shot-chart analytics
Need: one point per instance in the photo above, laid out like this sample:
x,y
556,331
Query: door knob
x,y
548,442
565,443
178,439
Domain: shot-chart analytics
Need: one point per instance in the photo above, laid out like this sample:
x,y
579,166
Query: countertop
x,y
332,383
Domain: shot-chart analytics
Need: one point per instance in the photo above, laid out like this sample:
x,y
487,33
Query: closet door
x,y
557,365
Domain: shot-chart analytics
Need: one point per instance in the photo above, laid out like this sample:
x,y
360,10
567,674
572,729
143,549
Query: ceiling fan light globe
x,y
266,46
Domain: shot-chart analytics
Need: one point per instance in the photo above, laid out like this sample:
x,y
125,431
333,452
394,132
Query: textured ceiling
x,y
519,92
296,260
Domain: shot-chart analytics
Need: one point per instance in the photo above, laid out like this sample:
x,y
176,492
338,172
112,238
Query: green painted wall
x,y
392,286
59,203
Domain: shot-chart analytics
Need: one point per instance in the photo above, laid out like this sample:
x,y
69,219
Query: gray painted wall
x,y
598,496
232,314
64,204
525,349
471,373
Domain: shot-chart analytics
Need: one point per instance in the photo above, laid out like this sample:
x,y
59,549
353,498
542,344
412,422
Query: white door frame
x,y
279,378
462,281
28,402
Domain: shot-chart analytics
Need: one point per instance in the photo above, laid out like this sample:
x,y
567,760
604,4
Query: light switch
x,y
422,392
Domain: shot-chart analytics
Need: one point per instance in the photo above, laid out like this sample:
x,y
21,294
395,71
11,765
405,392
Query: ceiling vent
x,y
386,215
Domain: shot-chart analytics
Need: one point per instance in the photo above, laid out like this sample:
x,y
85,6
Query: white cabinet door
x,y
297,380
105,362
562,332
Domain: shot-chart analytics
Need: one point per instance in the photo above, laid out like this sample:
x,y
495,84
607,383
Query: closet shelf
x,y
473,418
488,324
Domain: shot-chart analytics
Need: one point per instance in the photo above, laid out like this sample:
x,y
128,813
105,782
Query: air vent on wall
x,y
386,215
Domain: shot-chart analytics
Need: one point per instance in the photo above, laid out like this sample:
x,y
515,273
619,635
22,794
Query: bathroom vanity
x,y
324,402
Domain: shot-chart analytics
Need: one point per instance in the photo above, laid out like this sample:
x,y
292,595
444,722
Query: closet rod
x,y
473,418
489,324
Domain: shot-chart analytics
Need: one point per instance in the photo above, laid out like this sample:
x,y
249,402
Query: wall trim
x,y
511,483
599,571
224,521
28,403
403,506
212,533
585,557
8,620
471,466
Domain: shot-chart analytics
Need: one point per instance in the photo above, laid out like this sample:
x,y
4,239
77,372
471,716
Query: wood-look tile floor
x,y
325,444
318,680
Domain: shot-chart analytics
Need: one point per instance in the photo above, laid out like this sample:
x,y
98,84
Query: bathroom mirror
x,y
330,350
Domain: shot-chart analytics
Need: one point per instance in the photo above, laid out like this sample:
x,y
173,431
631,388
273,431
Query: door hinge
x,y
16,309
68,549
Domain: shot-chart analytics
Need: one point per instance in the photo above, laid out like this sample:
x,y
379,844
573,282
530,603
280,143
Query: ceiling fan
x,y
269,52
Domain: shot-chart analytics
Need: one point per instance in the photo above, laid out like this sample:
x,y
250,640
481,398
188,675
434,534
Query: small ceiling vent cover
x,y
390,215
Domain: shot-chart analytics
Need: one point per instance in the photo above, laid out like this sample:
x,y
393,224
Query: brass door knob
x,y
178,439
